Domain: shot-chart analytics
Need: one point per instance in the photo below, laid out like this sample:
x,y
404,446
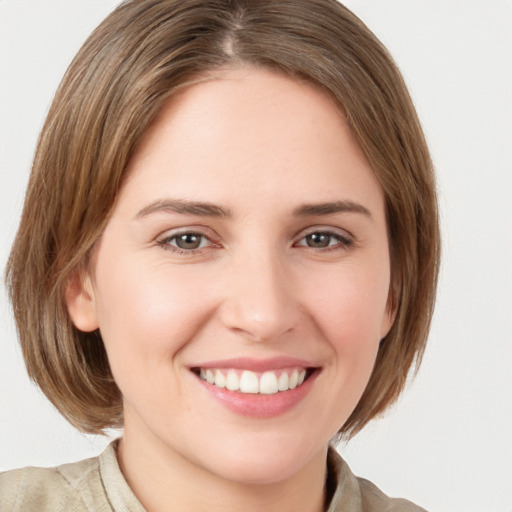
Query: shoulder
x,y
360,495
70,487
373,499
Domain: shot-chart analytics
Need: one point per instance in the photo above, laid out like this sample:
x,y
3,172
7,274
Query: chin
x,y
266,460
262,471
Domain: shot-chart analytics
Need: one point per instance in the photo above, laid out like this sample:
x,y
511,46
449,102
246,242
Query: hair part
x,y
131,65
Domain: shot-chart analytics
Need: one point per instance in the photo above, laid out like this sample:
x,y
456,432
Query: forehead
x,y
252,131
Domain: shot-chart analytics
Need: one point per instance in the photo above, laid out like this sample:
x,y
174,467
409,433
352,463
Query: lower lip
x,y
258,405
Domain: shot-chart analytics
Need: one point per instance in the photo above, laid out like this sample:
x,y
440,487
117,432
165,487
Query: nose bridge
x,y
259,300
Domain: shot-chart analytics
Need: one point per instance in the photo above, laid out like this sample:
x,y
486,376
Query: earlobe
x,y
387,322
388,318
80,302
391,308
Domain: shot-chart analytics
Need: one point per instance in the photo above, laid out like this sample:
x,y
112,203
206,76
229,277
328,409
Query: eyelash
x,y
165,242
344,242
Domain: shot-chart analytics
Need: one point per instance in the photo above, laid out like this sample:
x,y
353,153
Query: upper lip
x,y
257,365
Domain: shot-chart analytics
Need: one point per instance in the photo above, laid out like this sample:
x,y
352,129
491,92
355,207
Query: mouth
x,y
243,381
258,388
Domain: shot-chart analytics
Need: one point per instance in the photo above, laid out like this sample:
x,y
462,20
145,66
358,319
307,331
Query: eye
x,y
324,240
185,242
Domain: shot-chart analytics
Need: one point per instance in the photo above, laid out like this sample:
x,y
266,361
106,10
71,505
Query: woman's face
x,y
247,249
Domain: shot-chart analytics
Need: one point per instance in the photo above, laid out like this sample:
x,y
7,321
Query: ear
x,y
391,307
387,320
80,301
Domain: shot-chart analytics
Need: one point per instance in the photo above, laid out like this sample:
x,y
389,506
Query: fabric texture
x,y
97,485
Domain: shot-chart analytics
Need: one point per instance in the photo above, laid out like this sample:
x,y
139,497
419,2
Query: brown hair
x,y
128,68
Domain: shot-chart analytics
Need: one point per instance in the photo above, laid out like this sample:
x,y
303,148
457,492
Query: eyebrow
x,y
202,209
206,209
330,208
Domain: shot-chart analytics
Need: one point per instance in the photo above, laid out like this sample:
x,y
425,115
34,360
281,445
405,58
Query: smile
x,y
258,388
250,382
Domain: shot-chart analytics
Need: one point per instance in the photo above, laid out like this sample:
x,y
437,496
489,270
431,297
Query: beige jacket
x,y
97,485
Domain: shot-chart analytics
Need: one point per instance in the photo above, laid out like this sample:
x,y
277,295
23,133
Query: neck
x,y
162,480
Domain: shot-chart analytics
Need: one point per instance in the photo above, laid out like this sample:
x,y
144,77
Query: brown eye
x,y
188,241
319,240
327,240
185,242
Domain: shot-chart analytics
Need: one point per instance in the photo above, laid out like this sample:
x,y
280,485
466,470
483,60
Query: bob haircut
x,y
130,66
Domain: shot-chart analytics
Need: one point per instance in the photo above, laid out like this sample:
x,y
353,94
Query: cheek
x,y
350,309
146,313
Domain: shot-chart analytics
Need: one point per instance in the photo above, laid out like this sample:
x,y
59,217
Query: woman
x,y
237,259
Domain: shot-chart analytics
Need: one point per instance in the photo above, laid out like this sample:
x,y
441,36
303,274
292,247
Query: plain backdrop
x,y
447,445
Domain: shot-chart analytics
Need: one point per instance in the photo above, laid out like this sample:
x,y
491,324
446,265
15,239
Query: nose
x,y
260,301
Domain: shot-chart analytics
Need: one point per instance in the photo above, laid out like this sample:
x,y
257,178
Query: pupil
x,y
318,240
188,241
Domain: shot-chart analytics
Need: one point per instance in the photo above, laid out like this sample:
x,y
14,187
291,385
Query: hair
x,y
129,67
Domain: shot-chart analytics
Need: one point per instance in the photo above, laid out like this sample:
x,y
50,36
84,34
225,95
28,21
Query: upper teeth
x,y
266,383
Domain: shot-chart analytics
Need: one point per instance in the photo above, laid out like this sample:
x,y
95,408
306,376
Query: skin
x,y
261,145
